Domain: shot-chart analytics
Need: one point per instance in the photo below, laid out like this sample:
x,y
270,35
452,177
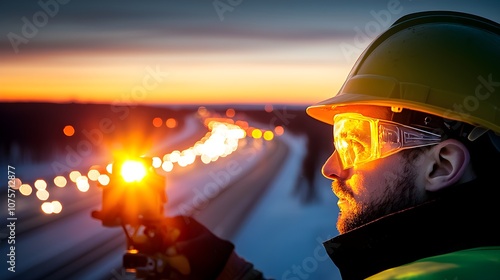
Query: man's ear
x,y
447,163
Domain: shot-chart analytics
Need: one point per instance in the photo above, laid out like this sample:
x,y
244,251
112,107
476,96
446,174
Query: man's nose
x,y
332,169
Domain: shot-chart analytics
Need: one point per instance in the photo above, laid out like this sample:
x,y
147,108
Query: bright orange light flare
x,y
268,135
133,171
40,184
25,189
171,123
157,122
69,130
279,130
230,113
60,181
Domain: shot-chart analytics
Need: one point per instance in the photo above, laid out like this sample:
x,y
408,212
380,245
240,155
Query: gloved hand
x,y
195,252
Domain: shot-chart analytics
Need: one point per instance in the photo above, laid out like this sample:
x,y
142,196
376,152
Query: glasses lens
x,y
359,139
352,139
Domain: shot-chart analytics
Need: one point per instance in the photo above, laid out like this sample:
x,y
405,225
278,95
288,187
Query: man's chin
x,y
346,222
342,224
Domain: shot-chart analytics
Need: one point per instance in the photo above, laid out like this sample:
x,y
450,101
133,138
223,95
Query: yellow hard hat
x,y
438,62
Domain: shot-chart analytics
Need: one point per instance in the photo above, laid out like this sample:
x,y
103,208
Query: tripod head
x,y
134,199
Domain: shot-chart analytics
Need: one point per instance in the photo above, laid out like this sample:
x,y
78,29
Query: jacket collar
x,y
460,221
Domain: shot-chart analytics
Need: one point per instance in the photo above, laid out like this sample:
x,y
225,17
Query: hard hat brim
x,y
324,111
359,91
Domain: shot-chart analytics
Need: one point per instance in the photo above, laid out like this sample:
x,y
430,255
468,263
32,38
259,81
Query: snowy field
x,y
283,237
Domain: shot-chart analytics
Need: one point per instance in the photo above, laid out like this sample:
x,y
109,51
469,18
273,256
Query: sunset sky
x,y
192,52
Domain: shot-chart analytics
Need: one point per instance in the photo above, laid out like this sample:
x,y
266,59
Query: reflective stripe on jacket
x,y
477,263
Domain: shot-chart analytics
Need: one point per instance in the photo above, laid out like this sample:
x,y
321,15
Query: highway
x,y
72,245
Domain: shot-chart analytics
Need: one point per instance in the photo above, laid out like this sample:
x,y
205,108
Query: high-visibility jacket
x,y
477,263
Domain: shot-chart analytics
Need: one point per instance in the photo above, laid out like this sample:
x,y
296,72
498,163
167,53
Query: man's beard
x,y
399,194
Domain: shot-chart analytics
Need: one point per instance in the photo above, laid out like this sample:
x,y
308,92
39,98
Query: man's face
x,y
373,189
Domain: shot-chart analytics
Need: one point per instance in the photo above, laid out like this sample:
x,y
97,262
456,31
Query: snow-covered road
x,y
246,198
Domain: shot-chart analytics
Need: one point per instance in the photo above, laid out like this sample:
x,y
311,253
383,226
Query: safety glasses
x,y
359,139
